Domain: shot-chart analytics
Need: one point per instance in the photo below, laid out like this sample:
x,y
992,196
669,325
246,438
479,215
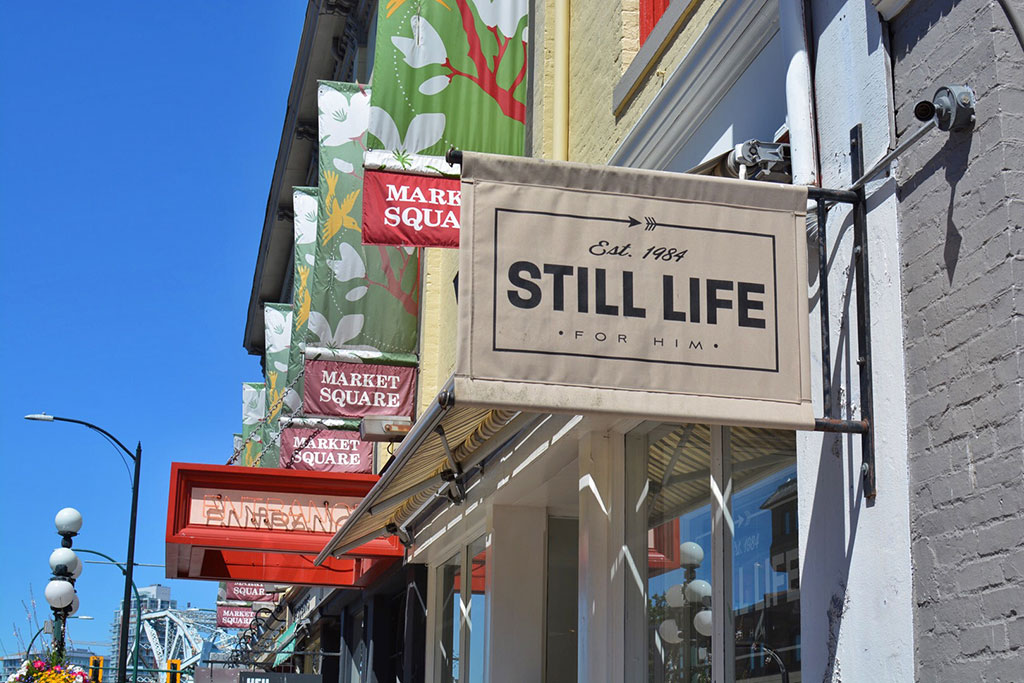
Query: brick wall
x,y
960,222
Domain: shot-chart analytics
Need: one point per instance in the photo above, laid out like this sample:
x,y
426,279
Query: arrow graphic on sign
x,y
649,222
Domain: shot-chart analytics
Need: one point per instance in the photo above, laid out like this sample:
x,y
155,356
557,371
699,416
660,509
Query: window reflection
x,y
679,554
763,564
765,556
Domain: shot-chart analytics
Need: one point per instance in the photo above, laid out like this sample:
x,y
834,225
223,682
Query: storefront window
x,y
477,616
449,601
743,557
461,655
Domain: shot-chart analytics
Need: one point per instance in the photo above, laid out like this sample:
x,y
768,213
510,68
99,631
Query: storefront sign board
x,y
325,450
234,617
273,511
412,210
247,590
341,389
591,289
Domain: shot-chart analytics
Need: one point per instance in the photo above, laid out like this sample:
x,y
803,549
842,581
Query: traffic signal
x,y
95,669
173,671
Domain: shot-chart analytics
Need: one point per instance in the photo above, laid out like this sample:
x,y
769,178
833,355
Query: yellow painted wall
x,y
604,39
438,316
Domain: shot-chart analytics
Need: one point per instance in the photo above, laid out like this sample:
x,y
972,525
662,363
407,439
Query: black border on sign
x,y
494,295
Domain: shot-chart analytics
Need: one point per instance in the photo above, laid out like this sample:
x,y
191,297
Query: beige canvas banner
x,y
592,289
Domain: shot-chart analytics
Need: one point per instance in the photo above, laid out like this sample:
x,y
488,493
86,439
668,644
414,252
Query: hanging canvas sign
x,y
358,389
325,450
410,210
596,289
234,617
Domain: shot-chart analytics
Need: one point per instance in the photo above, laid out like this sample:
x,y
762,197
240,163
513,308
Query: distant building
x,y
10,664
154,598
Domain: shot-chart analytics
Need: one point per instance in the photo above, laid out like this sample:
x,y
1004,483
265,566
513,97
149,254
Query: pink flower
x,y
38,664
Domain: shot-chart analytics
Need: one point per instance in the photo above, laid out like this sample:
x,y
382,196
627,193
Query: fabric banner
x,y
594,289
413,210
251,591
254,410
278,319
304,205
234,617
325,450
363,297
450,73
358,389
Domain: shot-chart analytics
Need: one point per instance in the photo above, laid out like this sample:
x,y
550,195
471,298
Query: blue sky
x,y
137,143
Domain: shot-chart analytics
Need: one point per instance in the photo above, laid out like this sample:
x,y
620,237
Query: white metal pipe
x,y
799,93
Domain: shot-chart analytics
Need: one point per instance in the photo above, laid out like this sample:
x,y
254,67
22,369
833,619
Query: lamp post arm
x,y
138,608
28,650
101,430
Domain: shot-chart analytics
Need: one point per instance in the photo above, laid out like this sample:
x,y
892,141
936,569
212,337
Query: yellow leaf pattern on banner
x,y
273,395
302,300
395,4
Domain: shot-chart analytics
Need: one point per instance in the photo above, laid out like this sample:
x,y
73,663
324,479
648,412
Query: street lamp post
x,y
122,652
60,591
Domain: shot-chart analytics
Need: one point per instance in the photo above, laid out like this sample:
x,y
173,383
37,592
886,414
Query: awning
x,y
284,644
443,444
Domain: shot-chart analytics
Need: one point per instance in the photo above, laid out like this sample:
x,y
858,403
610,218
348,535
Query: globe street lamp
x,y
122,652
60,591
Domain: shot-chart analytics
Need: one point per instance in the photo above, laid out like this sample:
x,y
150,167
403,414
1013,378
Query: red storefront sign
x,y
325,450
410,210
246,590
267,525
234,617
341,389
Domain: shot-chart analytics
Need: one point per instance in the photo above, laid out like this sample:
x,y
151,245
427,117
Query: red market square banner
x,y
247,590
325,450
410,210
234,617
341,389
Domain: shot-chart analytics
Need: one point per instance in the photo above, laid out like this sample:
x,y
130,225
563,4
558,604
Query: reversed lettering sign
x,y
234,617
237,509
325,450
593,289
246,590
410,210
357,389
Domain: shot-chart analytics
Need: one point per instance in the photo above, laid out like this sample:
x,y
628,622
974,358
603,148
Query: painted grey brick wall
x,y
961,215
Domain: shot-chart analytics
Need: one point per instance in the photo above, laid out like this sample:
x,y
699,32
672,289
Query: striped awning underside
x,y
418,470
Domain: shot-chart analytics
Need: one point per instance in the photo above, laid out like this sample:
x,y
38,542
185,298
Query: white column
x,y
515,594
612,594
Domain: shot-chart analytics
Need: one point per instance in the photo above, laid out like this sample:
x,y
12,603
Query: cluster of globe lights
x,y
694,591
60,591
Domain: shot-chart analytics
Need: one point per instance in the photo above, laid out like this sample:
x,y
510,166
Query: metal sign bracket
x,y
828,422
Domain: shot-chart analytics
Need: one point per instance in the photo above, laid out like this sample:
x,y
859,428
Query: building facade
x,y
592,547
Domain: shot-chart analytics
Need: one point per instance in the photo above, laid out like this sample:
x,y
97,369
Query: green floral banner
x,y
304,205
450,73
254,410
363,297
278,321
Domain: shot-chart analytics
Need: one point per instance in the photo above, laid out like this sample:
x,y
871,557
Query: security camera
x,y
952,106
